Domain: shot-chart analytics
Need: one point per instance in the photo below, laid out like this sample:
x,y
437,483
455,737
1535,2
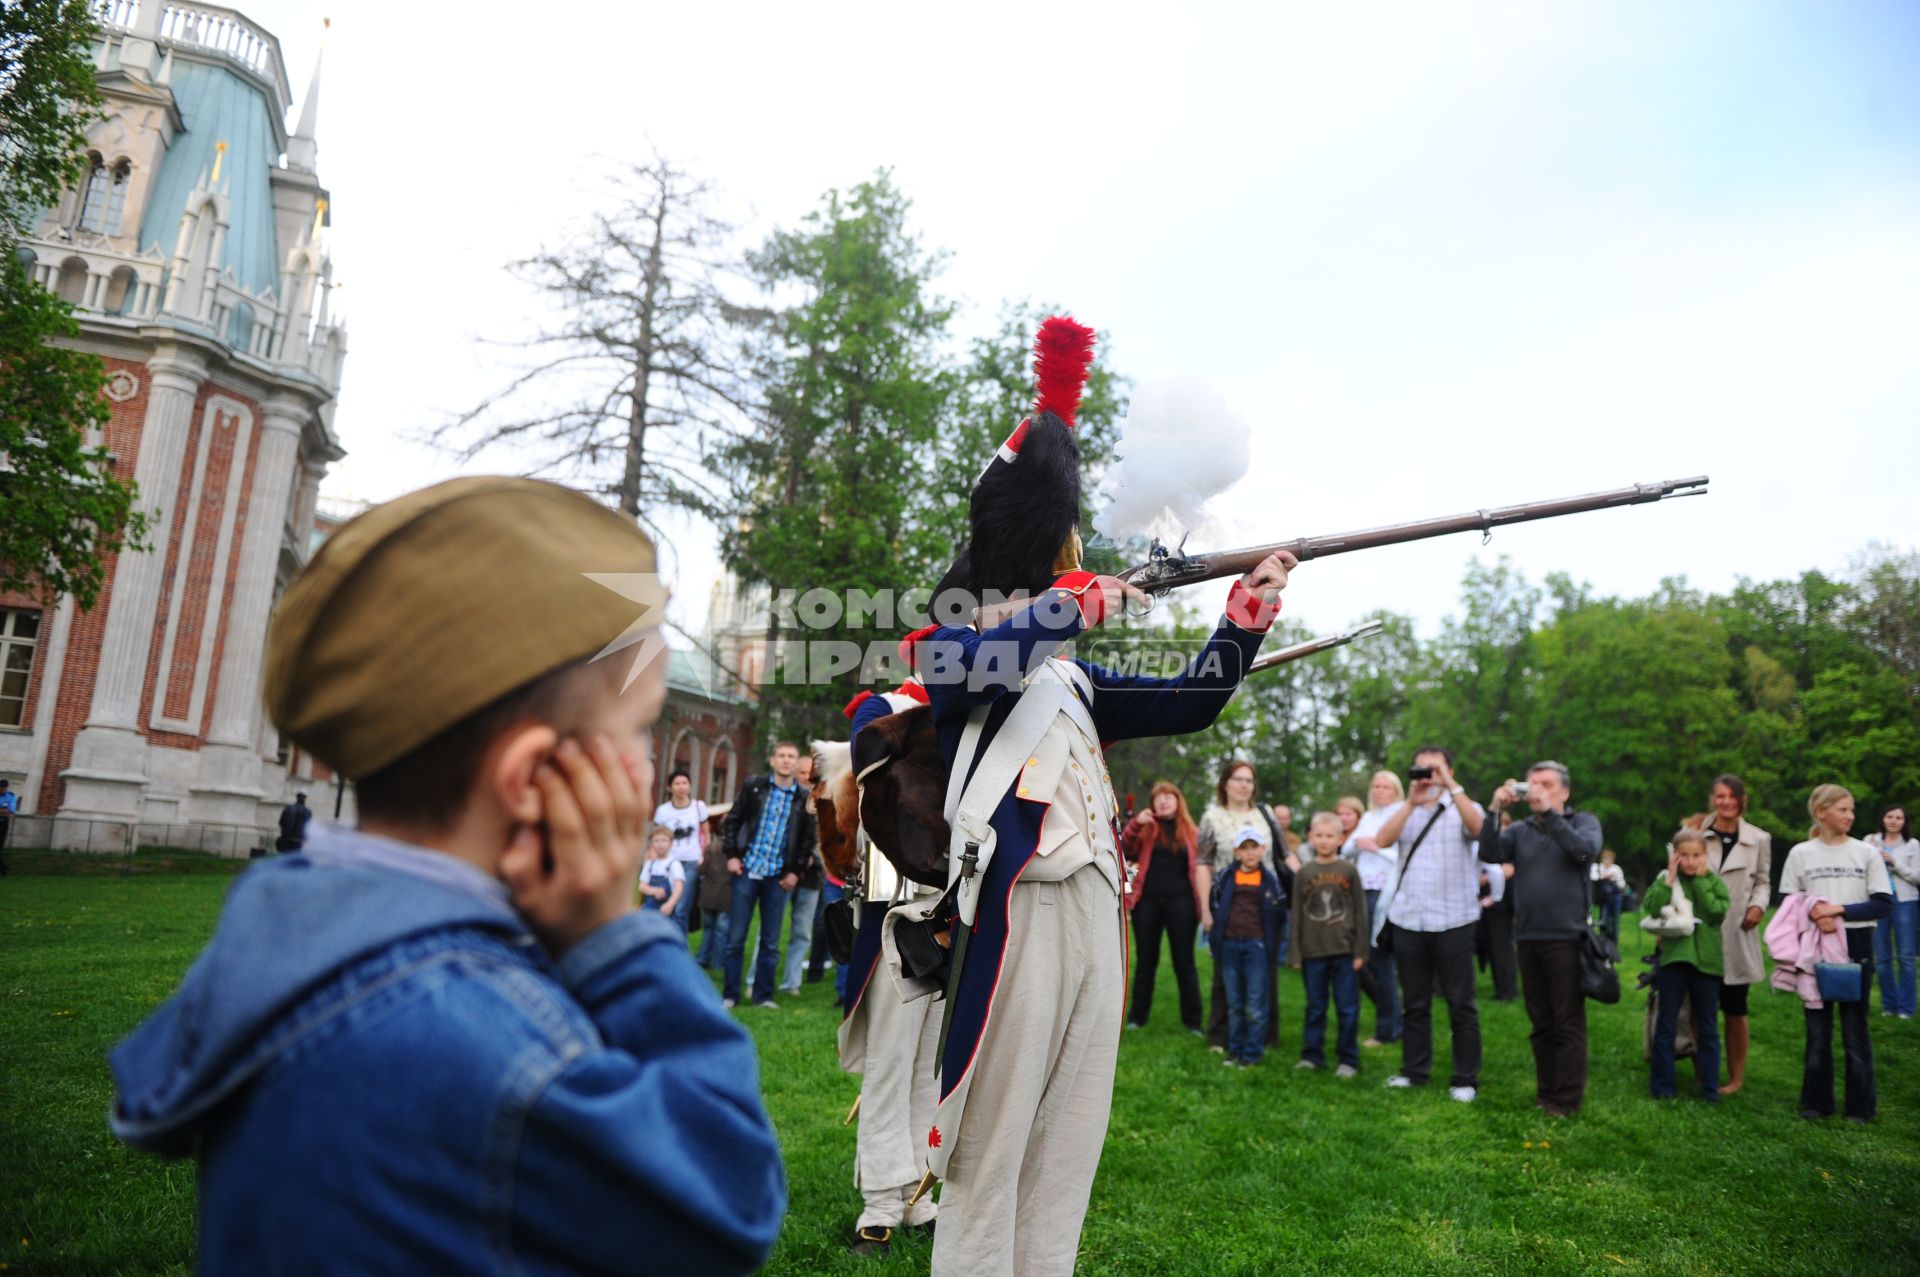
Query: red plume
x,y
1062,353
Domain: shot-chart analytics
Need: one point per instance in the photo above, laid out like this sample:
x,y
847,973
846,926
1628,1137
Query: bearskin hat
x,y
1026,503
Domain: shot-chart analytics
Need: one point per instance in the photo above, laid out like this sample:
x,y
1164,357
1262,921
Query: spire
x,y
302,152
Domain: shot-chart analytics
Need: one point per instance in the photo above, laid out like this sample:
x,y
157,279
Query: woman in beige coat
x,y
1742,854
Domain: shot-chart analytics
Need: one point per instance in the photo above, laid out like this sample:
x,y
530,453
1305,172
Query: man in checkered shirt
x,y
1430,909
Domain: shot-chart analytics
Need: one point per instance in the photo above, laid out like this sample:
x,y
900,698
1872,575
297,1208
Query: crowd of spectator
x,y
1398,894
1397,897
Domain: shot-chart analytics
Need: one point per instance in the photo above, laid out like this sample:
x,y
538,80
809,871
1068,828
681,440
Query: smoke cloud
x,y
1180,446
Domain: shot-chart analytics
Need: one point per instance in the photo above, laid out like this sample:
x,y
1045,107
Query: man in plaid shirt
x,y
768,837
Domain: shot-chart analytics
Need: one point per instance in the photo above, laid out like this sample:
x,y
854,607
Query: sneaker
x,y
1232,1061
767,1004
1399,1082
1346,1070
1464,1094
794,991
1131,1026
1373,1044
1218,1050
728,1003
1248,1063
1305,1064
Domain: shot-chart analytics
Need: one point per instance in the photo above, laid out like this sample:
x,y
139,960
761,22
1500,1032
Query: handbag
x,y
1598,978
838,920
1386,932
1840,981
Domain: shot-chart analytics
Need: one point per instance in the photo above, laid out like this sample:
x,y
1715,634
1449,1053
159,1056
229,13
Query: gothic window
x,y
93,198
720,779
117,195
19,634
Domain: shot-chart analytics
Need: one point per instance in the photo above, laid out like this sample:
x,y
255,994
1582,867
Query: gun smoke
x,y
1180,446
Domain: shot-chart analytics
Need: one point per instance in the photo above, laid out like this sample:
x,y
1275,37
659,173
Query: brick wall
x,y
73,694
200,545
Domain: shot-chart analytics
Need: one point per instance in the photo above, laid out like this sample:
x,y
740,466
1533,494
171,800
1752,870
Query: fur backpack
x,y
1675,921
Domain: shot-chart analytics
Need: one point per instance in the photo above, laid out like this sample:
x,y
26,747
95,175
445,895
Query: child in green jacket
x,y
1689,966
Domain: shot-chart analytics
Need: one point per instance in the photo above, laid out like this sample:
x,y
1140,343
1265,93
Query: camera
x,y
1520,791
1421,773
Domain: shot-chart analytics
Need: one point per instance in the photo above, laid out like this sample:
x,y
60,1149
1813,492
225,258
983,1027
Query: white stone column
x,y
108,773
228,791
306,507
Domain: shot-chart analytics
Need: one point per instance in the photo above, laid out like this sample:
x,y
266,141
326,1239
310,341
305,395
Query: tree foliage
x,y
47,98
63,512
1786,683
828,491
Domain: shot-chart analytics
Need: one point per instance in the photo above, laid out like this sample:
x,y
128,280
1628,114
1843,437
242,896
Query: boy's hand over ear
x,y
581,874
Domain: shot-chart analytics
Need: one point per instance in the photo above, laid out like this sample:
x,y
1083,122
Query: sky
x,y
1441,257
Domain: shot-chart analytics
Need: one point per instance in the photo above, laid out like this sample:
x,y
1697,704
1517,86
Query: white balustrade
x,y
214,28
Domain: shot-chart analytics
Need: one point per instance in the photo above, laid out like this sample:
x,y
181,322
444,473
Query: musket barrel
x,y
1324,643
1165,573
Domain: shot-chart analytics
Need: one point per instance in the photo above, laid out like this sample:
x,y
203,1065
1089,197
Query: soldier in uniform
x,y
888,1041
1026,1075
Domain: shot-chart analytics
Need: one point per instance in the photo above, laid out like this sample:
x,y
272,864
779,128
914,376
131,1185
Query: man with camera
x,y
1428,916
1552,854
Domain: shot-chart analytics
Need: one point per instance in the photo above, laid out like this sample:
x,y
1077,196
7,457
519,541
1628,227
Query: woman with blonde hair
x,y
1847,884
1165,898
1381,977
1233,809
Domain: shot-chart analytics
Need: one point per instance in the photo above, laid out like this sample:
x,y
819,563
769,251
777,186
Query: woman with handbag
x,y
1847,882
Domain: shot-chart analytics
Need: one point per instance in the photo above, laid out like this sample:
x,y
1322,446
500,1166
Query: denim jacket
x,y
1273,903
381,1071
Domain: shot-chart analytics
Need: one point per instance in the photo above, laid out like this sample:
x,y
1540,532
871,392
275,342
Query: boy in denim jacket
x,y
1246,942
444,1041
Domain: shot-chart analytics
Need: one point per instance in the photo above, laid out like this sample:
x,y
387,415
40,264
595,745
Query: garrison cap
x,y
425,610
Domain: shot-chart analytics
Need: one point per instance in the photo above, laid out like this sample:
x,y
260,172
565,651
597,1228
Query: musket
x,y
1326,642
1167,569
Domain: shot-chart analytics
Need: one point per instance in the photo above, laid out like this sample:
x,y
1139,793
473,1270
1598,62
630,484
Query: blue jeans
x,y
1335,975
1243,964
1610,916
771,898
1893,939
683,912
1382,978
1677,980
806,907
713,937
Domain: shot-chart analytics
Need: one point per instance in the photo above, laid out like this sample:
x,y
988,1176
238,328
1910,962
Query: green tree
x,y
47,98
63,511
830,494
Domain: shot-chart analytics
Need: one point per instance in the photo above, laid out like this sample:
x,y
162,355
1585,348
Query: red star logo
x,y
933,1138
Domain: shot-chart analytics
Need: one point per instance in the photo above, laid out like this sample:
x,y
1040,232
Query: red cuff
x,y
1248,612
1087,589
853,706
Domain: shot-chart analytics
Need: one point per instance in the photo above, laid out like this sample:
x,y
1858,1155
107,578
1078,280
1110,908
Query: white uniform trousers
x,y
1017,1186
898,1091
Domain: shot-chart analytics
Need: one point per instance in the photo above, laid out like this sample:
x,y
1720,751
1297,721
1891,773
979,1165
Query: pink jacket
x,y
1798,945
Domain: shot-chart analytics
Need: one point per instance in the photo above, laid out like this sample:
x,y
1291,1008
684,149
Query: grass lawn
x,y
1206,1170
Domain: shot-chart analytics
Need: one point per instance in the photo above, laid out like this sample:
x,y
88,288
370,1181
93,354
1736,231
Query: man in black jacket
x,y
768,837
1552,853
293,825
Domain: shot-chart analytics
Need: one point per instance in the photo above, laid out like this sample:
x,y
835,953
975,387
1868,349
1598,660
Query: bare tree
x,y
643,344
